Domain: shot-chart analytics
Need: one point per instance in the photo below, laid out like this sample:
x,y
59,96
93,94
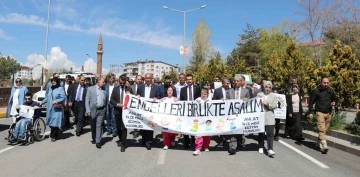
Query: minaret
x,y
99,56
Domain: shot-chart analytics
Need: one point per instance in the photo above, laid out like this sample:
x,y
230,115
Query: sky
x,y
131,30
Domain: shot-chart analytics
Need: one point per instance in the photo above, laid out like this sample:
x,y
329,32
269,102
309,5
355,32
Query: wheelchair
x,y
34,131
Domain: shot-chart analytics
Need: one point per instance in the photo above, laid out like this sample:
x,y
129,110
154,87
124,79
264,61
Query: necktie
x,y
237,94
121,94
190,94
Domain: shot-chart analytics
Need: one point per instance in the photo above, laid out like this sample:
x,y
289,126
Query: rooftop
x,y
151,61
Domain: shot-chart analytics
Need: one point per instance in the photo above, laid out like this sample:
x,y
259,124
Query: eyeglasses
x,y
17,81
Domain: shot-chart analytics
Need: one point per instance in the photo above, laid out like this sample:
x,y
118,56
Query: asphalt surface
x,y
76,156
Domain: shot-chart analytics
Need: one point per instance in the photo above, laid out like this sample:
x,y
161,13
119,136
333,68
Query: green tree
x,y
8,67
200,46
174,76
214,67
344,73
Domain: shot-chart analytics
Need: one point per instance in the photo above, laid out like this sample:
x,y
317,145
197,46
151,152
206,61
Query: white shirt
x,y
66,88
178,87
147,91
223,92
187,89
111,88
15,102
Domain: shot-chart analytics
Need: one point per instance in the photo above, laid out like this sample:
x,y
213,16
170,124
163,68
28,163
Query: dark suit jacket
x,y
72,96
154,93
107,90
115,98
163,91
289,108
184,96
218,94
250,92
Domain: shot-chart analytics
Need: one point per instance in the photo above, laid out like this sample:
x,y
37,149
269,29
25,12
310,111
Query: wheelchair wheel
x,y
39,128
30,140
10,134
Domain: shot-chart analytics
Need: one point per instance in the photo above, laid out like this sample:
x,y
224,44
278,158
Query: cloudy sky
x,y
132,30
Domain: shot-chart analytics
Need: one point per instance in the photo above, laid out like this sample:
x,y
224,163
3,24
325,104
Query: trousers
x,y
323,123
168,138
269,129
96,125
20,127
202,142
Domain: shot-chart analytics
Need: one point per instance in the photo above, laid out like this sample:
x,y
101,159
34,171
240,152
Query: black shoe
x,y
232,152
325,151
108,133
98,146
115,134
77,134
148,147
119,143
276,138
122,149
92,142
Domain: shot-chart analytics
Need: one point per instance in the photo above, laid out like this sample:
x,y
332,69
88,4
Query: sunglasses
x,y
17,81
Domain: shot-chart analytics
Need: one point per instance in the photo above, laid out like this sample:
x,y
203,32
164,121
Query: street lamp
x,y
184,12
89,61
46,40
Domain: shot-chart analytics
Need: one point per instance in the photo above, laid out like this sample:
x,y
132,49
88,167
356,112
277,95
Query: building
x,y
141,67
29,72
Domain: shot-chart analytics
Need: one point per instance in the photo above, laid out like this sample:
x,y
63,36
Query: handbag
x,y
56,105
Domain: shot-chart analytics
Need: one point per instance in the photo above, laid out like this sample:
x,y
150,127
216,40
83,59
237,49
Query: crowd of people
x,y
101,106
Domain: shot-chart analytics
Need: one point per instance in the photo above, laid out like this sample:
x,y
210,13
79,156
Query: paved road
x,y
76,156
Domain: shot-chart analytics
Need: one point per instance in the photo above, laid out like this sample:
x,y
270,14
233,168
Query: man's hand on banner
x,y
290,115
265,103
198,100
155,99
138,96
222,99
245,99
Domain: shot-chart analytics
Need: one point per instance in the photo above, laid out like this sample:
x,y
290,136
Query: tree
x,y
8,67
248,47
200,46
174,76
214,67
344,73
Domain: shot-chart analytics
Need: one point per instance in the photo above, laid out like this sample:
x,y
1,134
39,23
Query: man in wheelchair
x,y
20,128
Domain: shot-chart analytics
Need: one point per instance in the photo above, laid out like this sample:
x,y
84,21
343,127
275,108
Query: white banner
x,y
280,112
214,117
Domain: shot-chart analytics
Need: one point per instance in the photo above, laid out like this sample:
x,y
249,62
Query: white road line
x,y
303,154
6,149
162,156
47,133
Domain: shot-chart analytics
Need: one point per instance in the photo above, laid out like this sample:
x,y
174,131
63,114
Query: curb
x,y
342,141
2,115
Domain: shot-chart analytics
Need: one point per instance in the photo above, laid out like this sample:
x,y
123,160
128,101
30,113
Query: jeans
x,y
20,127
110,119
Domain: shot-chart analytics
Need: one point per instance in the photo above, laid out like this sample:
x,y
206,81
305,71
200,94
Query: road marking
x,y
162,156
6,149
303,154
47,133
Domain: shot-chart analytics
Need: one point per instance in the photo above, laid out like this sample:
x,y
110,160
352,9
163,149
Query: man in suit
x,y
67,107
134,87
110,116
220,94
189,93
95,104
152,91
237,93
77,98
116,100
163,87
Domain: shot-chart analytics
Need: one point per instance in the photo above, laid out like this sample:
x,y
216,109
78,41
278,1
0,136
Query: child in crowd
x,y
169,138
202,142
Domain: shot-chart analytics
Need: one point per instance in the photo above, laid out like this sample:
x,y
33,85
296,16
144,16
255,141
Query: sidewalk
x,y
2,112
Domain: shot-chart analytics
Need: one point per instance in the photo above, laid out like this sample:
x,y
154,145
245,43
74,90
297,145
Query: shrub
x,y
337,121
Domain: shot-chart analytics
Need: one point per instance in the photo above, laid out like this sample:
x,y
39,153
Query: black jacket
x,y
289,109
322,98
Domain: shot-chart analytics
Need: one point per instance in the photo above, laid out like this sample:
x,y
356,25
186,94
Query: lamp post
x,y
184,40
47,41
89,61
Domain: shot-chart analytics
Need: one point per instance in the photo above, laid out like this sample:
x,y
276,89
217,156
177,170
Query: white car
x,y
40,95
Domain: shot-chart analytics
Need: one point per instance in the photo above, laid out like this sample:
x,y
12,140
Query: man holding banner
x,y
117,97
189,93
237,93
151,91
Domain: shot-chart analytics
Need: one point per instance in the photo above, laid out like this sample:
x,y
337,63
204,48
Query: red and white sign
x,y
184,50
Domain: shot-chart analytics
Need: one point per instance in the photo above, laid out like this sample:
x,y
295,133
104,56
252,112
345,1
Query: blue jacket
x,y
54,116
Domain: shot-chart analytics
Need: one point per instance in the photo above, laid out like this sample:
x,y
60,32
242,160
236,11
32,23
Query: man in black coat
x,y
189,93
77,98
117,97
152,91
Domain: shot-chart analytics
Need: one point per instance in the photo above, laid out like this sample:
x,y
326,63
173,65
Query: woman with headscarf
x,y
17,97
270,104
54,100
294,114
